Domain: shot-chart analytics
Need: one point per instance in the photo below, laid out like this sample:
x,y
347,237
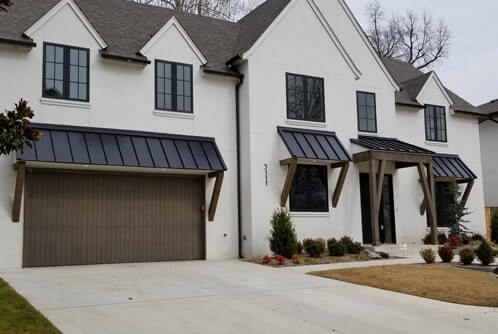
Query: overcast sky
x,y
472,67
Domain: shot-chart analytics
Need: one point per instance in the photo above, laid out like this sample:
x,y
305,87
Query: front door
x,y
386,213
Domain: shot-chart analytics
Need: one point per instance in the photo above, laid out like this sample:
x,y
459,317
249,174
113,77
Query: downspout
x,y
239,201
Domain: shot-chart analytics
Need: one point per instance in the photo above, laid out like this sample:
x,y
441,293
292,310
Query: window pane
x,y
73,73
167,70
59,72
50,53
169,102
160,101
309,191
179,87
49,70
73,55
315,101
187,73
370,100
367,114
82,74
73,90
187,91
179,72
160,70
82,91
179,103
188,104
49,84
59,54
58,88
167,86
363,124
160,85
83,58
371,125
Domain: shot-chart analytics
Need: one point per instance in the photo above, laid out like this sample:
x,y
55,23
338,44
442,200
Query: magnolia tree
x,y
16,130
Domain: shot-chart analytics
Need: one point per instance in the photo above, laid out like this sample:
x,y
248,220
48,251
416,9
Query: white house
x,y
488,130
169,136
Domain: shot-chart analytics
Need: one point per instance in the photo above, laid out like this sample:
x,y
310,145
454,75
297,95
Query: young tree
x,y
419,40
4,4
455,210
16,130
222,9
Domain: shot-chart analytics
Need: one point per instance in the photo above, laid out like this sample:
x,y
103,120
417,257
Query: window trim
x,y
174,88
287,74
358,111
66,72
315,211
435,124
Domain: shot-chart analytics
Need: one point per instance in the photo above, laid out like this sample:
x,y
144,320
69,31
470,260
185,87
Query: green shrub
x,y
384,255
477,237
299,247
348,242
445,253
496,271
485,254
466,256
336,248
355,248
441,238
283,239
428,255
314,247
494,228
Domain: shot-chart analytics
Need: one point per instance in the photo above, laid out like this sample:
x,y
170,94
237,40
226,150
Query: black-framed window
x,y
305,98
367,112
309,191
435,123
174,90
66,72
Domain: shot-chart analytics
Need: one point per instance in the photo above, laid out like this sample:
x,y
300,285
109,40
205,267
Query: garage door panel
x,y
75,218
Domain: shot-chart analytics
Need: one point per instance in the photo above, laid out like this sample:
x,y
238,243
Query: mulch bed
x,y
306,260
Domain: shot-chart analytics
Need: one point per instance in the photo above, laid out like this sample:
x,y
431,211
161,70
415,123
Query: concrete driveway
x,y
230,297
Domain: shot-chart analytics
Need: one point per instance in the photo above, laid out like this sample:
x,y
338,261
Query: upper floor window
x,y
367,112
309,191
435,123
65,72
174,87
305,98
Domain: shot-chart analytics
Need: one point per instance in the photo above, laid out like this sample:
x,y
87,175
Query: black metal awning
x,y
389,144
452,167
110,147
313,145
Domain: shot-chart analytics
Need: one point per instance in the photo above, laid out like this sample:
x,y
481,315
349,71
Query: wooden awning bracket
x,y
465,197
18,192
292,163
340,182
428,188
216,193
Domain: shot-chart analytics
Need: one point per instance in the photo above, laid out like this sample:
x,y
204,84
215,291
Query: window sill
x,y
65,103
436,143
173,114
306,123
309,214
368,134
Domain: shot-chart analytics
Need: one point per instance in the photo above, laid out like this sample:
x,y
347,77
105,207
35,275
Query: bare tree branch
x,y
4,4
222,9
415,39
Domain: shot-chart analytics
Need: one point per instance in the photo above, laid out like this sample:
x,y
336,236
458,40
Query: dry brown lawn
x,y
445,283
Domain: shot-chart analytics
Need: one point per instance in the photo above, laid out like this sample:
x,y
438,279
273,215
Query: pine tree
x,y
455,210
283,239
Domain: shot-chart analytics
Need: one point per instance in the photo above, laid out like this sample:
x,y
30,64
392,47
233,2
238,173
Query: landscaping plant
x,y
348,242
477,237
455,210
283,239
299,247
467,256
445,253
336,248
454,242
441,238
428,255
296,259
266,260
281,260
356,248
314,247
485,253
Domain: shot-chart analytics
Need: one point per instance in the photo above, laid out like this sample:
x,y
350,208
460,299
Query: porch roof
x,y
452,167
389,144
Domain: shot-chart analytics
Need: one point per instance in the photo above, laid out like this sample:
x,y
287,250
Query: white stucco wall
x,y
122,96
489,155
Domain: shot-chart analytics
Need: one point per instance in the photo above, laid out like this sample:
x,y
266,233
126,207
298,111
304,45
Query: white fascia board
x,y
440,85
173,22
77,11
325,25
364,37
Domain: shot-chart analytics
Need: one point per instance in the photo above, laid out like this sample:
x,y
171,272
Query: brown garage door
x,y
76,218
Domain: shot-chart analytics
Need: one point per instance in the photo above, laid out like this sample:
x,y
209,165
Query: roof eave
x,y
124,58
26,43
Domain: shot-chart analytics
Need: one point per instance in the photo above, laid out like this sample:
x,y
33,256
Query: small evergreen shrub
x,y
467,256
336,248
283,239
314,247
428,255
441,238
494,228
348,242
356,248
495,271
445,253
299,247
477,237
485,254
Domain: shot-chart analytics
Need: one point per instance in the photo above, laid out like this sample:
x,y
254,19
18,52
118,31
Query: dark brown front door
x,y
85,218
386,213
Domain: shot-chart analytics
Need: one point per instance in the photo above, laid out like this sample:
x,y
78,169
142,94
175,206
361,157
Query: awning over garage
x,y
109,147
452,167
313,147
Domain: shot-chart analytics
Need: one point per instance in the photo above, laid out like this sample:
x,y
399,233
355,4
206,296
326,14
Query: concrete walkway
x,y
231,297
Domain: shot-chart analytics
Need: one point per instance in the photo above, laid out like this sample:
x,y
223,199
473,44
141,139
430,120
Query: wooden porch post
x,y
16,206
288,180
428,187
216,194
374,213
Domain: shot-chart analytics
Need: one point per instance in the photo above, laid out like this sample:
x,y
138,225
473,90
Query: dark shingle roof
x,y
490,107
127,26
412,80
